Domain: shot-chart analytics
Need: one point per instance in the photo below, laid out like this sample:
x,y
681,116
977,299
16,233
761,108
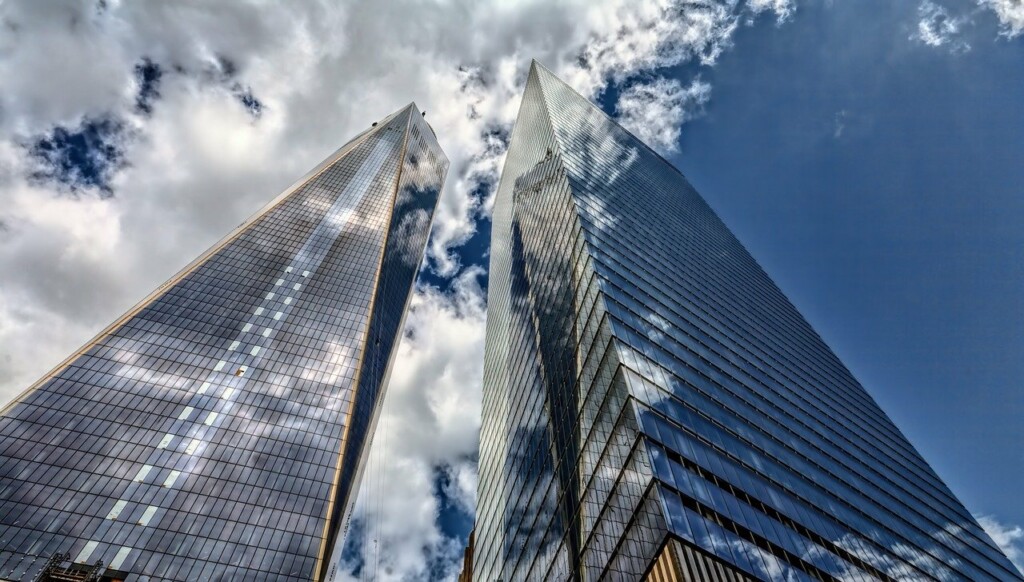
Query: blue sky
x,y
879,182
866,153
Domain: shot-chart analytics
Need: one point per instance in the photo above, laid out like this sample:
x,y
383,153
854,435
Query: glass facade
x,y
217,430
646,385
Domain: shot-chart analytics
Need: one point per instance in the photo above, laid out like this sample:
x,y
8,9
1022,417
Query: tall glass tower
x,y
217,430
655,407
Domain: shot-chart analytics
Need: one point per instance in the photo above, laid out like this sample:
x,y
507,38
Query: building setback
x,y
655,406
217,430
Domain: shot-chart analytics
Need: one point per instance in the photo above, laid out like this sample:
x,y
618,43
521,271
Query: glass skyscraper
x,y
217,430
655,406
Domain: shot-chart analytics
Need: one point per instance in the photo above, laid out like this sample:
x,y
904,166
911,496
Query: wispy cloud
x,y
839,123
782,9
936,27
655,111
1009,538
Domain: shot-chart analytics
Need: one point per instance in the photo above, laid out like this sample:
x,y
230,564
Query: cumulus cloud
x,y
431,419
656,111
936,27
1010,14
1009,538
626,37
219,106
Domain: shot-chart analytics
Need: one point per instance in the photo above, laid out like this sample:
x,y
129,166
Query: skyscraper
x,y
653,404
217,430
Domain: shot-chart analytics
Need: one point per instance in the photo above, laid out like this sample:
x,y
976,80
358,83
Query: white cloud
x,y
1009,538
839,123
431,419
656,111
1010,14
936,27
627,37
783,9
199,163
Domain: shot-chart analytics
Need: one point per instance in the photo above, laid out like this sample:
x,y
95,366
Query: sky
x,y
867,153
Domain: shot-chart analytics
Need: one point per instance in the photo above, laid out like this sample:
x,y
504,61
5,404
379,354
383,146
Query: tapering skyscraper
x,y
654,406
217,430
